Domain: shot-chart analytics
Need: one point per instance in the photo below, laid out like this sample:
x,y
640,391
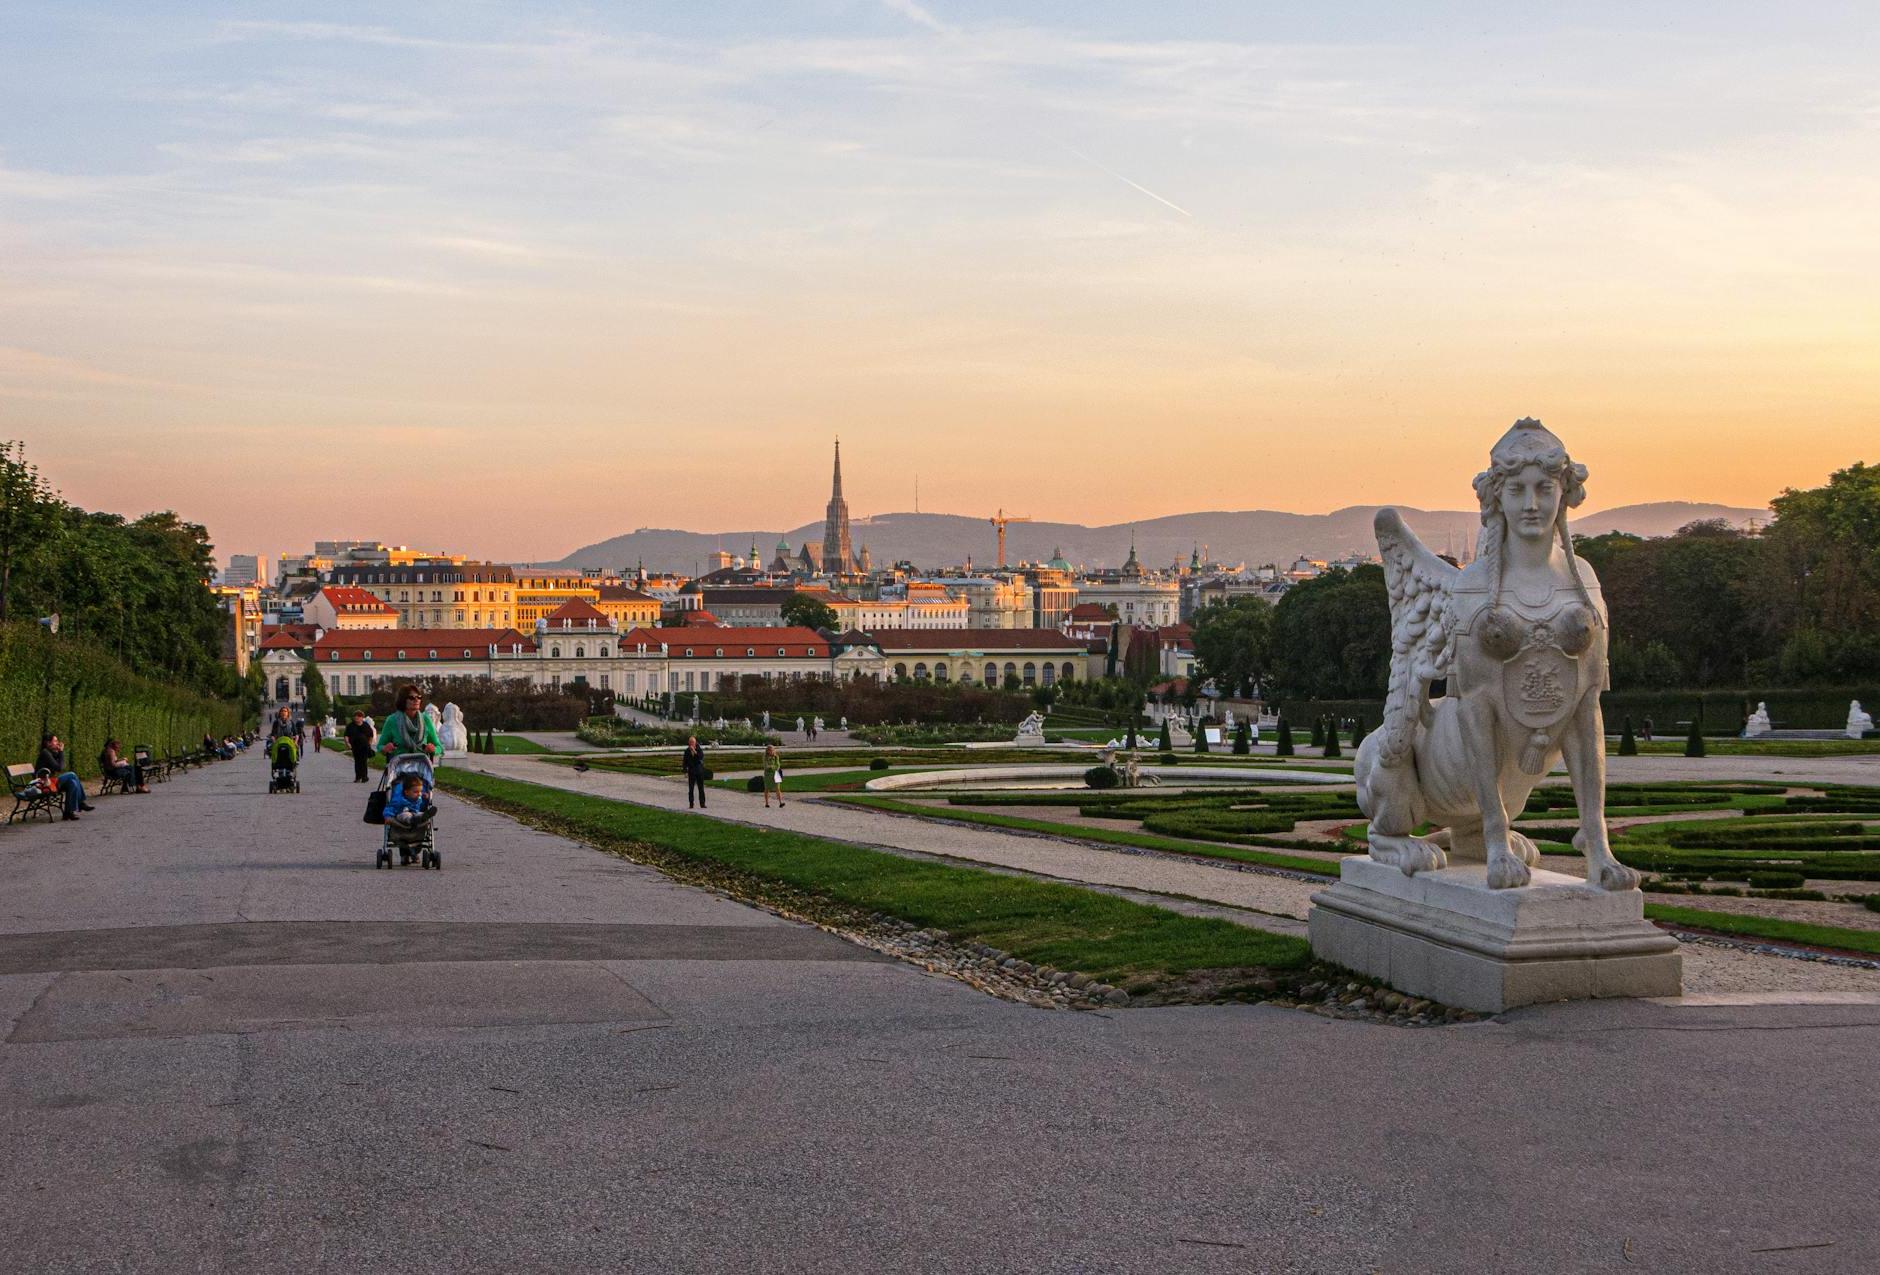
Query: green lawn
x,y
1758,748
1039,921
1764,927
1104,836
514,745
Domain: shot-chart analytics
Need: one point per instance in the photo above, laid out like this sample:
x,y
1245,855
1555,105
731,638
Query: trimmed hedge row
x,y
50,683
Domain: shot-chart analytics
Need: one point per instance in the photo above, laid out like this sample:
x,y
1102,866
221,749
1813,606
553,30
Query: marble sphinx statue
x,y
1518,638
453,732
1859,721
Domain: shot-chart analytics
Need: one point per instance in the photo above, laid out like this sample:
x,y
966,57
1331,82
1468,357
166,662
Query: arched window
x,y
555,652
688,654
719,652
580,652
750,650
940,672
920,672
1031,674
466,652
992,674
1011,669
966,675
280,688
781,652
1065,672
433,654
401,655
1050,674
334,654
603,650
900,672
366,655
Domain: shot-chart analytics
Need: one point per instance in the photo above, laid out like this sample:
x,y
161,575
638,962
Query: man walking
x,y
359,738
693,763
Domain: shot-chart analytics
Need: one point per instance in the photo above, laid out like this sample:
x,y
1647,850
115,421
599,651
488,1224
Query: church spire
x,y
838,557
835,492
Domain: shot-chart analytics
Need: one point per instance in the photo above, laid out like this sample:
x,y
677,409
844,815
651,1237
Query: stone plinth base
x,y
1446,936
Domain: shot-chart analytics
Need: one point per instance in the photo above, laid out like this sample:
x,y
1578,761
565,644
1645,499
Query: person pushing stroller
x,y
408,730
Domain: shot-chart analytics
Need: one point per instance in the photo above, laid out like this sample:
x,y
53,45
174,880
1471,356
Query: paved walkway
x,y
227,1043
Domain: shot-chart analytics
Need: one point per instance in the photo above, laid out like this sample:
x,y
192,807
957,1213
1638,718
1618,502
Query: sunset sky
x,y
506,278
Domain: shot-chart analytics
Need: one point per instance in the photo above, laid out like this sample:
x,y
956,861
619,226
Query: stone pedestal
x,y
1446,936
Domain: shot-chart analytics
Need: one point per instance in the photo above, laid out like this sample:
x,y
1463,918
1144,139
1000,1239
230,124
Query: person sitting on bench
x,y
51,765
111,765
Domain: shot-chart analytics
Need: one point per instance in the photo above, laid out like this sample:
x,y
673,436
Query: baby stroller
x,y
419,842
283,766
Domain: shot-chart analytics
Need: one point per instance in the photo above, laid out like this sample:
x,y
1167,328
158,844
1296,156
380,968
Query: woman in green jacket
x,y
408,730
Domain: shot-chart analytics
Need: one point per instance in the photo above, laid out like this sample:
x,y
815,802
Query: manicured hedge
x,y
50,683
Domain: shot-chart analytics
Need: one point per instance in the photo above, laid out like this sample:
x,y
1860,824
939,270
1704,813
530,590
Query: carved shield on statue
x,y
1543,685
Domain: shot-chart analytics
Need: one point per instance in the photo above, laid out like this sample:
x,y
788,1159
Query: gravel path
x,y
1709,970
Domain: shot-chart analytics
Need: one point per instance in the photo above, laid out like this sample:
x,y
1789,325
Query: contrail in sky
x,y
1133,185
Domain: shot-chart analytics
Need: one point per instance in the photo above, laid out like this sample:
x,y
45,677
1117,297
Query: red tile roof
x,y
346,597
577,613
625,593
1090,611
794,643
374,646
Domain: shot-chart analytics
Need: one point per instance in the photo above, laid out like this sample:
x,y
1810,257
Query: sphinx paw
x,y
1524,849
1612,875
1505,872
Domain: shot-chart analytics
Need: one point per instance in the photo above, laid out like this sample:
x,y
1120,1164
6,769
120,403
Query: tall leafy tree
x,y
1232,643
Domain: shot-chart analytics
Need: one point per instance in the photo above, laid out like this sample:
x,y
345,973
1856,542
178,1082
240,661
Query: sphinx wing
x,y
1419,584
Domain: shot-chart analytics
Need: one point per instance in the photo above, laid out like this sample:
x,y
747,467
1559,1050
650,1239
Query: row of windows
x,y
1028,673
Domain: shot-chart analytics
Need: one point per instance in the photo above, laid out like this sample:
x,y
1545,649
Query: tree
x,y
1331,637
804,610
1331,739
1201,738
1130,742
1282,738
1231,640
1243,739
1109,658
1694,742
1318,732
318,703
1164,743
1628,742
1358,732
28,509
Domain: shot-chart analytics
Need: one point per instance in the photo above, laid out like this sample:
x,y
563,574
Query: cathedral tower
x,y
837,556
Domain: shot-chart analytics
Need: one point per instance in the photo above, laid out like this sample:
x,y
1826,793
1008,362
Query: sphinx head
x,y
1530,483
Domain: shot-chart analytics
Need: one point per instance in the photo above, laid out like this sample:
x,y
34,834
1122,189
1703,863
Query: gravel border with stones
x,y
1707,939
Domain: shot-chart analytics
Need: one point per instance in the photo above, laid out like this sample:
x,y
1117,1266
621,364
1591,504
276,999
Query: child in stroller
x,y
409,806
409,815
284,765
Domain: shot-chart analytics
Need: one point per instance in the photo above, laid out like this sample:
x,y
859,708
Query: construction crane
x,y
999,520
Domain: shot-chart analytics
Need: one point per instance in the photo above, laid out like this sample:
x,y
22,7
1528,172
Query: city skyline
x,y
551,275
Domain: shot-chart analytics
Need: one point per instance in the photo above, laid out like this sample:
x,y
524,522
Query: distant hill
x,y
1253,536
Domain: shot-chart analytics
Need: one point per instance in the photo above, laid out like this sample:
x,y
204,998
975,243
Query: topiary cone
x,y
1283,747
1628,742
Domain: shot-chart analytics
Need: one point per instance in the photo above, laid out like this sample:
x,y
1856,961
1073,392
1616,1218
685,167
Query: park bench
x,y
28,798
108,784
155,772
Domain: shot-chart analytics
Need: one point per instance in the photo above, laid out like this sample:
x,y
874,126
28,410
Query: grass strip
x,y
1039,921
1768,927
1106,836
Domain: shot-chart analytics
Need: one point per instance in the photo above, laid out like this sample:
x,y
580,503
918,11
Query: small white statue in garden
x,y
799,726
1519,635
454,734
437,719
1227,718
1858,721
1758,723
766,721
845,723
1032,727
818,723
329,729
